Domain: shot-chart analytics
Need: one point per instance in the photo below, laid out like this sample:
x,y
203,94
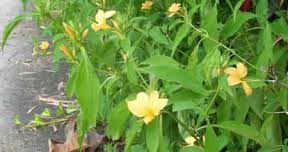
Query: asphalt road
x,y
21,83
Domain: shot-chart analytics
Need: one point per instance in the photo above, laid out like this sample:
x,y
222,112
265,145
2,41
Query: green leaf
x,y
71,84
211,140
192,149
278,27
70,109
210,25
183,31
160,60
193,58
185,99
87,90
255,100
175,74
9,28
233,25
224,110
157,35
153,135
262,11
282,96
224,85
272,130
58,38
131,133
17,120
243,130
117,121
214,143
266,54
242,108
236,9
106,52
273,148
60,110
37,121
46,112
126,45
132,73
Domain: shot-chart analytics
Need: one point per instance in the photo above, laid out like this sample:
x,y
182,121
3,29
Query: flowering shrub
x,y
219,68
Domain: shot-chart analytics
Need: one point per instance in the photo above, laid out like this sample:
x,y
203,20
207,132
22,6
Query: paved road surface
x,y
18,89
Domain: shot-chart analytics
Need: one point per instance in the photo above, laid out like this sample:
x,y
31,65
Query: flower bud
x,y
85,33
69,30
66,51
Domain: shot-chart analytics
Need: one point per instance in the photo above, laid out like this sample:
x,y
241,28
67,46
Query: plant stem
x,y
211,103
191,132
44,124
205,34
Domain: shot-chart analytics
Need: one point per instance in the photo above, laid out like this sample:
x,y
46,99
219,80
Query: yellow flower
x,y
44,45
190,140
236,75
147,5
101,20
173,9
147,106
69,30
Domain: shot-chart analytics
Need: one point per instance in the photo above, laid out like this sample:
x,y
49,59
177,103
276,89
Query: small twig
x,y
43,124
52,101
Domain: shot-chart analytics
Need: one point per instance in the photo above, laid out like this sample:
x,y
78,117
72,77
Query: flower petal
x,y
247,89
190,140
142,97
148,119
153,96
241,70
233,80
95,27
231,71
100,16
136,108
158,105
109,14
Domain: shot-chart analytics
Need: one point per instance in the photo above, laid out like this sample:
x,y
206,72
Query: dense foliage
x,y
174,75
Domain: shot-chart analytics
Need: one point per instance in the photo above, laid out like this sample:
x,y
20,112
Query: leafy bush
x,y
186,75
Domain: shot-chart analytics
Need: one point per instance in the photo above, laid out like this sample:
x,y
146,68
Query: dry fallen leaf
x,y
91,142
71,143
94,140
55,146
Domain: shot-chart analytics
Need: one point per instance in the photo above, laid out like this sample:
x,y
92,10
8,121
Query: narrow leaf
x,y
152,136
117,121
158,36
244,130
160,60
9,28
87,91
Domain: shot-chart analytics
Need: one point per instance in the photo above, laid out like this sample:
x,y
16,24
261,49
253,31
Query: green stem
x,y
230,5
205,34
211,104
191,132
44,124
